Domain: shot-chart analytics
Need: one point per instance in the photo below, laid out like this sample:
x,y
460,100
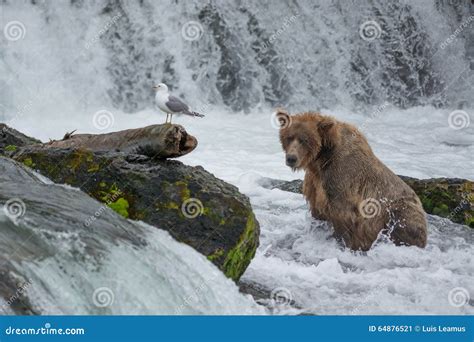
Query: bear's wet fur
x,y
347,185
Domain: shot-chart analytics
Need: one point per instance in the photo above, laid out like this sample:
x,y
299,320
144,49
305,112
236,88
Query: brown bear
x,y
347,185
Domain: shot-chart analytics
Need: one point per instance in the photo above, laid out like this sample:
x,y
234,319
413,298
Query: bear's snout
x,y
291,160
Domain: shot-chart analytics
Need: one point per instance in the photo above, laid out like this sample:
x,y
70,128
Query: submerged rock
x,y
195,207
452,198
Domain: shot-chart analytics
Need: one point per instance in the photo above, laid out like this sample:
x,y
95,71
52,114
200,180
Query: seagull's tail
x,y
199,115
191,113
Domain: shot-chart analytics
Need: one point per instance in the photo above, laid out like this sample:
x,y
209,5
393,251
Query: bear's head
x,y
305,137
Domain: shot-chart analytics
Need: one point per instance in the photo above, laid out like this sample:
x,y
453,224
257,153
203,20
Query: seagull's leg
x,y
167,115
171,117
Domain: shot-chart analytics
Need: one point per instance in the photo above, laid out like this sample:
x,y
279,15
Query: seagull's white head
x,y
161,88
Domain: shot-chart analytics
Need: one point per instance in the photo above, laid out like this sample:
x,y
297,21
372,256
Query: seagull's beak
x,y
155,87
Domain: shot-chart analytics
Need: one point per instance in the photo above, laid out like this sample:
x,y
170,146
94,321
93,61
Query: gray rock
x,y
195,207
11,139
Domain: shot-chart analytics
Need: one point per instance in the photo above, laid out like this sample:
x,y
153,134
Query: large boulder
x,y
195,207
64,253
452,198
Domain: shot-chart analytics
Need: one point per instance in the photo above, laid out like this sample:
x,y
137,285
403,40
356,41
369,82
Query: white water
x,y
297,254
297,257
165,277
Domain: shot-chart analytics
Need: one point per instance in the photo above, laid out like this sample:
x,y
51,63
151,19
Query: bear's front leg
x,y
357,235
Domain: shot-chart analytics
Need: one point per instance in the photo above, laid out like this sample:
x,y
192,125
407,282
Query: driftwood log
x,y
158,141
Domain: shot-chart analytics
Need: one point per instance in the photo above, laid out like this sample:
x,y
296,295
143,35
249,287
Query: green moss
x,y
120,206
216,216
111,194
170,205
11,148
240,256
184,190
469,221
84,158
93,168
427,204
75,160
441,210
444,200
180,188
28,162
217,254
114,198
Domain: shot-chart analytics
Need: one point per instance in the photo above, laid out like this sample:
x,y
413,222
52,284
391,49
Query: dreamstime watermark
x,y
14,208
14,30
103,297
25,108
464,202
369,208
19,292
287,22
192,208
452,2
458,119
110,199
193,298
374,115
103,119
46,330
456,32
370,30
202,108
205,105
192,30
371,296
281,296
102,31
459,296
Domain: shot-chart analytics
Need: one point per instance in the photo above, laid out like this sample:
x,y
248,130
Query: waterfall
x,y
75,55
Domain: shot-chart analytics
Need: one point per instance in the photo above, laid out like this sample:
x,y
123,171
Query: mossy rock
x,y
452,198
194,206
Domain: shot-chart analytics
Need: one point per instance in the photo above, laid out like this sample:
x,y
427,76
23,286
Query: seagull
x,y
171,104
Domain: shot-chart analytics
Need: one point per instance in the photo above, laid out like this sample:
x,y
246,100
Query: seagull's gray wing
x,y
177,106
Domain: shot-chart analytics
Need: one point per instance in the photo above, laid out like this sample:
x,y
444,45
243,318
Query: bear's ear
x,y
282,116
327,130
